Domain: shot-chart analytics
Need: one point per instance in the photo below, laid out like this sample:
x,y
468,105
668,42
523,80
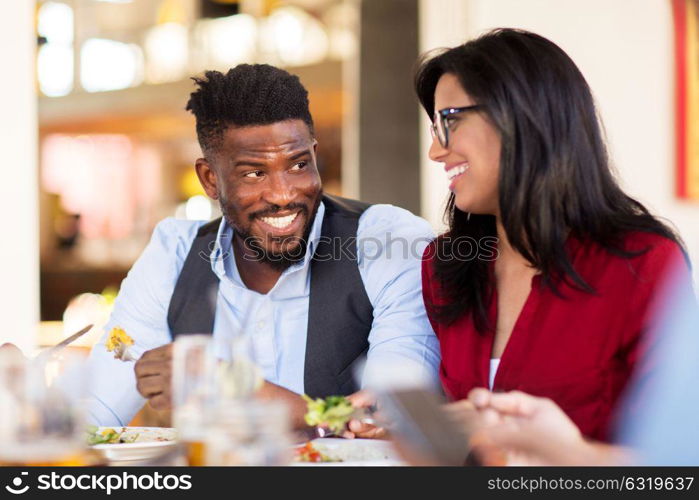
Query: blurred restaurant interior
x,y
98,146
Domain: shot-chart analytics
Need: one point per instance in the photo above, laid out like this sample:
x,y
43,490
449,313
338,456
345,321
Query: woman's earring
x,y
468,216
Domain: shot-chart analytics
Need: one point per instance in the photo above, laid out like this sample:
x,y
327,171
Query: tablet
x,y
420,425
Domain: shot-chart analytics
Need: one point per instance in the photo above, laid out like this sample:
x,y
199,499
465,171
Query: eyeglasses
x,y
441,122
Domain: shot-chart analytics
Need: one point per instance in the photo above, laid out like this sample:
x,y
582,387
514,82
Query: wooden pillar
x,y
389,149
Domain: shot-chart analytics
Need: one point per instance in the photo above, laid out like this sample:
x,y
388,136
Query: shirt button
x,y
260,325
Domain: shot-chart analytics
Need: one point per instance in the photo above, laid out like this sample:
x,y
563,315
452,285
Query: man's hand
x,y
296,405
358,428
153,377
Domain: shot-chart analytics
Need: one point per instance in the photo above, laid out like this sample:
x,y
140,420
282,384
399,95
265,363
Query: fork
x,y
364,415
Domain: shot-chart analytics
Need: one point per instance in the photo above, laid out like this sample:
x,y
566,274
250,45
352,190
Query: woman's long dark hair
x,y
555,176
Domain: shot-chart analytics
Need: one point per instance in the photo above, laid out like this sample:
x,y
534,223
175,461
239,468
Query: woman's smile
x,y
454,172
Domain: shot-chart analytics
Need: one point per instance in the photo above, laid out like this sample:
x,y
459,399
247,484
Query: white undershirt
x,y
494,363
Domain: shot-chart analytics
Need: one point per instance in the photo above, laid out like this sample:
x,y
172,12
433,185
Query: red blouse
x,y
579,349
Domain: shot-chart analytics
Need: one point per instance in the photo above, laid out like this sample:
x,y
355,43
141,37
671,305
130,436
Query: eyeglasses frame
x,y
439,127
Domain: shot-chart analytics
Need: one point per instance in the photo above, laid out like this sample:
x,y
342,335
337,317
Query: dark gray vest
x,y
339,312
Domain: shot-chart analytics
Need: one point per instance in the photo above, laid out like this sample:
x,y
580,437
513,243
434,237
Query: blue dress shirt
x,y
390,243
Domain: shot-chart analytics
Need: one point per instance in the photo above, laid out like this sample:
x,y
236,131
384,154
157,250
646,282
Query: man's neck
x,y
256,274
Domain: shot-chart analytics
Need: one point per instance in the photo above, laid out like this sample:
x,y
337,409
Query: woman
x,y
560,308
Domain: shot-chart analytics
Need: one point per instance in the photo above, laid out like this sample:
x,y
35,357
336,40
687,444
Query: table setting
x,y
216,418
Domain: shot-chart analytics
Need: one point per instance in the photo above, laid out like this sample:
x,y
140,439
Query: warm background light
x,y
110,65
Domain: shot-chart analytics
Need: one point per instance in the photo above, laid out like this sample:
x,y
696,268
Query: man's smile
x,y
282,225
280,222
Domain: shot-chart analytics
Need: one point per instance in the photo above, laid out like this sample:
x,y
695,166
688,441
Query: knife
x,y
53,350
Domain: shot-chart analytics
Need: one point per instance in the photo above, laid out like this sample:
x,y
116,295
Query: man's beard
x,y
279,261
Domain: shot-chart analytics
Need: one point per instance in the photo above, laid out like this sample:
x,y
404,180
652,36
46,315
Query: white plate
x,y
150,442
355,452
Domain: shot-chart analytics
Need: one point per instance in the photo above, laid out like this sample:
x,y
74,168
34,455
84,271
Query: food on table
x,y
121,435
347,451
308,453
119,343
332,412
95,435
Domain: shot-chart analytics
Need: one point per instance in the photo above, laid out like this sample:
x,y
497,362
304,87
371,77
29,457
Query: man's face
x,y
267,183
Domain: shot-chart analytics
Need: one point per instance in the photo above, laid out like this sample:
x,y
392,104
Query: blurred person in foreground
x,y
305,274
544,281
656,424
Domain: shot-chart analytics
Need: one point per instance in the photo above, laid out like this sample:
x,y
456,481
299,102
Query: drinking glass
x,y
193,391
214,382
249,432
42,418
239,376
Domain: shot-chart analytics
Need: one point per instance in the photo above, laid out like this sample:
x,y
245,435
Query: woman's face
x,y
473,150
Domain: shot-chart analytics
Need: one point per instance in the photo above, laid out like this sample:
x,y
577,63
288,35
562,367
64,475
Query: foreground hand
x,y
153,377
8,349
359,428
529,430
462,413
517,409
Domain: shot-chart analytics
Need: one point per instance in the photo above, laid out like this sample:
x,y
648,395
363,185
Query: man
x,y
314,280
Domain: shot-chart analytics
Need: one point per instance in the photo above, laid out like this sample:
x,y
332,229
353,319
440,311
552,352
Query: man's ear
x,y
207,177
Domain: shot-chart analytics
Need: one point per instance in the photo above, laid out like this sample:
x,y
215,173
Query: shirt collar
x,y
224,250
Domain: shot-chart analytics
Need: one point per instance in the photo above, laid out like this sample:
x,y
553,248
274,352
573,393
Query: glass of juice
x,y
193,391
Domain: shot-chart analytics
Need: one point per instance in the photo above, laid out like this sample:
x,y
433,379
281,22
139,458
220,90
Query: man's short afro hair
x,y
248,95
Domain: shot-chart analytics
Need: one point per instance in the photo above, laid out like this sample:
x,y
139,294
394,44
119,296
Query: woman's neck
x,y
508,256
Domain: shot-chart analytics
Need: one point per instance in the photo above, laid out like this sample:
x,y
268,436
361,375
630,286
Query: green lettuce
x,y
332,412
